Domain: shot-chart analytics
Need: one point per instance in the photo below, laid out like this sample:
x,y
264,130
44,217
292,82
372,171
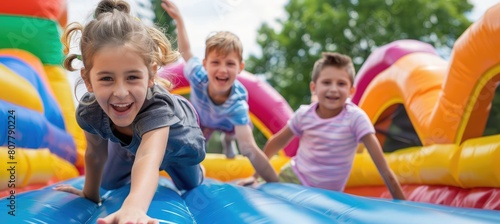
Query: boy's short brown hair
x,y
336,60
223,43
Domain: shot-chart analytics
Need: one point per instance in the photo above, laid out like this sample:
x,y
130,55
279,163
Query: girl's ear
x,y
353,90
154,71
154,68
86,80
151,82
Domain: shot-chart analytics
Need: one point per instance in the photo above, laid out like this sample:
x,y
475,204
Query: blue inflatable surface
x,y
34,131
217,202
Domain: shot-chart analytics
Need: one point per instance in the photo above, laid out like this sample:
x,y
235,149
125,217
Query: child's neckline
x,y
316,107
220,102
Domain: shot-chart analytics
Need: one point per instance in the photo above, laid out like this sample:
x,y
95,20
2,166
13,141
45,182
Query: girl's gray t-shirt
x,y
186,144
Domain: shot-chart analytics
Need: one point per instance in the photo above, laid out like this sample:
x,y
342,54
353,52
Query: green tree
x,y
493,122
351,27
163,21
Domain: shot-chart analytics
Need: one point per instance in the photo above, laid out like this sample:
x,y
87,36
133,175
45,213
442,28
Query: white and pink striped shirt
x,y
327,146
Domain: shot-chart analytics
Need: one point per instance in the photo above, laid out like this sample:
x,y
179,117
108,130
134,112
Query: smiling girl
x,y
133,127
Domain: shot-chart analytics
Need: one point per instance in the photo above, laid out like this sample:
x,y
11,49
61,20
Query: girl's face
x,y
332,88
119,80
222,72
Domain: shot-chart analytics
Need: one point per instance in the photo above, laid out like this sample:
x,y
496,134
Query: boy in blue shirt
x,y
220,99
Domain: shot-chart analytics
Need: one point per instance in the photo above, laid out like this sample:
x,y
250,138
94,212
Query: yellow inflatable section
x,y
59,82
472,164
34,167
448,104
17,90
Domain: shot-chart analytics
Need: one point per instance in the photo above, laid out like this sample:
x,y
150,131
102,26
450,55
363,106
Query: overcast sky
x,y
204,16
238,16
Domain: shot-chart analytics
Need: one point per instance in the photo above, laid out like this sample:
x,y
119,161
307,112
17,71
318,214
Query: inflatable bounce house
x,y
430,115
41,141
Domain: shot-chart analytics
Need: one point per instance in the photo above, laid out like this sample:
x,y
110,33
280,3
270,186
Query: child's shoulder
x,y
306,108
160,94
350,107
238,93
88,105
193,62
239,88
164,99
90,116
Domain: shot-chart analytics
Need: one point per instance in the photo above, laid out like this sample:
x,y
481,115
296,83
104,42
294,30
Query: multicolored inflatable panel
x,y
42,142
441,109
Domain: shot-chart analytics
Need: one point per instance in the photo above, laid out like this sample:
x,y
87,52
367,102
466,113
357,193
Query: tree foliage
x,y
351,27
164,22
492,127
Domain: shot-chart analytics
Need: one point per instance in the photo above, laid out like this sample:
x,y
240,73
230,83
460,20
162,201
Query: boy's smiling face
x,y
332,88
222,71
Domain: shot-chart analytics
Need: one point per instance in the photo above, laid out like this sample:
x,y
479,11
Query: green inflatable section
x,y
36,35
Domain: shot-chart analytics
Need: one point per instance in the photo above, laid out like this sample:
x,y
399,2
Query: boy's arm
x,y
249,148
277,142
182,37
373,146
96,155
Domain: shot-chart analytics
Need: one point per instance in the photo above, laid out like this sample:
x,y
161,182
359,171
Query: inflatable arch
x,y
447,105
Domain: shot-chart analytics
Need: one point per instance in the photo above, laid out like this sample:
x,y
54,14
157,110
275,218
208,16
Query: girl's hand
x,y
129,216
69,189
247,181
73,190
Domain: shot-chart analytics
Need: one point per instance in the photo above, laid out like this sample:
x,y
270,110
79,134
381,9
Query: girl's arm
x,y
95,159
373,146
145,171
96,155
144,180
249,148
182,37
